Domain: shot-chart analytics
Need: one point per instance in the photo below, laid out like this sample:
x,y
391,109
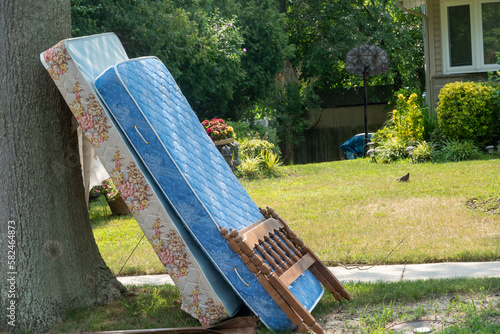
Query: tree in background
x,y
324,31
292,98
49,261
223,54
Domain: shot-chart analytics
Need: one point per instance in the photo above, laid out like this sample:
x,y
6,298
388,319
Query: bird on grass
x,y
404,178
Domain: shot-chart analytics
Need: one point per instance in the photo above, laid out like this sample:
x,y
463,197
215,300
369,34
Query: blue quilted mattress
x,y
93,55
166,134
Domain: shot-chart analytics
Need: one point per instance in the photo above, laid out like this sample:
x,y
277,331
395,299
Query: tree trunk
x,y
49,261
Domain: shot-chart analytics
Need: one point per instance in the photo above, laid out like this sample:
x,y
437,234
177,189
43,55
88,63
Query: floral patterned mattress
x,y
73,64
157,120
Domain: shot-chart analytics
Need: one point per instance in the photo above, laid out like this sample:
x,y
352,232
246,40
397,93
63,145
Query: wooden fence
x,y
323,144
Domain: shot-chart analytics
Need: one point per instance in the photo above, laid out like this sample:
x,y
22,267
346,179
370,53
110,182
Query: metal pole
x,y
365,72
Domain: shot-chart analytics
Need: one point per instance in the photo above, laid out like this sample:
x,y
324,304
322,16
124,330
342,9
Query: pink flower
x,y
209,130
127,189
230,24
204,321
166,257
47,55
117,163
244,50
87,122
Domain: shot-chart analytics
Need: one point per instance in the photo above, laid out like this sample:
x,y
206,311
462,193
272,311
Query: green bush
x,y
423,152
466,111
455,150
407,119
245,131
254,148
391,150
249,167
271,162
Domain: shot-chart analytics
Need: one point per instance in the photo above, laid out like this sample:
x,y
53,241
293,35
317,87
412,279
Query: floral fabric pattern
x,y
209,312
57,58
131,184
171,250
85,107
91,116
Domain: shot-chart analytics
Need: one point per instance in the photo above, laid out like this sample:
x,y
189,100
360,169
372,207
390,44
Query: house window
x,y
471,35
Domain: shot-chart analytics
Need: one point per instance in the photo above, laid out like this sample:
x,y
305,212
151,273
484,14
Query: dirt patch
x,y
491,205
434,314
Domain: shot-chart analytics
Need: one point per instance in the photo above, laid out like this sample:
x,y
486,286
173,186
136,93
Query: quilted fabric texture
x,y
73,64
147,104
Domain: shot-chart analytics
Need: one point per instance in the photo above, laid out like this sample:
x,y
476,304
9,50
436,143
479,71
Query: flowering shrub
x,y
106,188
407,119
217,129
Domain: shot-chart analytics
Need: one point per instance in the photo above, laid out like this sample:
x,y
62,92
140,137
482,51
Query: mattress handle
x,y
236,271
136,129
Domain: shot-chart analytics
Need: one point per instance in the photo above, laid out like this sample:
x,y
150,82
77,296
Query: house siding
x,y
435,72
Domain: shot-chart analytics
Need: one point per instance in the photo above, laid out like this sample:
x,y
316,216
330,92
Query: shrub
x,y
249,167
254,148
271,162
407,119
455,150
245,131
423,152
391,150
466,111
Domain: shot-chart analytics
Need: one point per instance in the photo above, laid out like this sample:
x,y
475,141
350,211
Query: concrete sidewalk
x,y
377,273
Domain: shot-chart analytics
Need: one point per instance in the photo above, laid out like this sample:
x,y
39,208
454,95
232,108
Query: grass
x,y
348,212
117,236
376,308
354,211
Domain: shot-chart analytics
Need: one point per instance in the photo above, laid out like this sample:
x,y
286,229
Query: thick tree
x,y
49,262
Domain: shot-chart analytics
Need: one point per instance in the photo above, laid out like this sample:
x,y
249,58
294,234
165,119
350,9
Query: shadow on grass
x,y
99,213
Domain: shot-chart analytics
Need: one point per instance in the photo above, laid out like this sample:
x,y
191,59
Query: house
x,y
461,38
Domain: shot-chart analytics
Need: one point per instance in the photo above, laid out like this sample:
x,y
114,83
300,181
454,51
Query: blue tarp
x,y
354,147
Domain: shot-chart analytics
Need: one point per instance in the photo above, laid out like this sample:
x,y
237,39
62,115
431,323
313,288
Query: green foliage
x,y
249,167
407,119
254,148
391,150
107,189
223,54
246,131
405,128
257,156
271,162
458,150
324,31
423,152
466,112
292,98
432,131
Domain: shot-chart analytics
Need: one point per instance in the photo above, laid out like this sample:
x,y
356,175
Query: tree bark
x,y
49,261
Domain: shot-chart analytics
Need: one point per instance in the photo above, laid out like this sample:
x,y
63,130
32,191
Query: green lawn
x,y
355,212
348,212
464,305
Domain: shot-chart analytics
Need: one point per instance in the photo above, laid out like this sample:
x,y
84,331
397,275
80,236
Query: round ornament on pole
x,y
366,60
